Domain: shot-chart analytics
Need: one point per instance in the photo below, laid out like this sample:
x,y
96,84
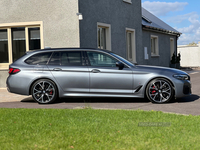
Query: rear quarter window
x,y
39,59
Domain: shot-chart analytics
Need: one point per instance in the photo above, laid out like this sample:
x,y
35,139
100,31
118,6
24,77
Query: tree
x,y
192,44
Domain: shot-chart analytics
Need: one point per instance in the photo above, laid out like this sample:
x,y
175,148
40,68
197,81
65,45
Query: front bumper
x,y
182,88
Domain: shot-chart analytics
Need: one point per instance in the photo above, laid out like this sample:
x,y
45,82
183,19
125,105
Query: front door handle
x,y
57,69
96,71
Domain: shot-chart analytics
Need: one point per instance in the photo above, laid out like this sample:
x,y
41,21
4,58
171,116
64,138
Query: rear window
x,y
39,59
66,58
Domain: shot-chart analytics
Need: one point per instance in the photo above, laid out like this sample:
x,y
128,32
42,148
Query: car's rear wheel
x,y
160,91
44,91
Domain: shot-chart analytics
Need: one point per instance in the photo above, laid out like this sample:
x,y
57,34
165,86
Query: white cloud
x,y
185,39
191,33
162,8
178,19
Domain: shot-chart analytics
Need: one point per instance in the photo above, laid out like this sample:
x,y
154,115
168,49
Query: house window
x,y
130,45
16,39
154,46
171,47
128,1
4,46
18,42
34,38
103,36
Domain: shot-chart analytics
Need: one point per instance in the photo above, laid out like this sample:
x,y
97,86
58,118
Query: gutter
x,y
150,28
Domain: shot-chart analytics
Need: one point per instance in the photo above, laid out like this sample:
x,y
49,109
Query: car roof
x,y
63,49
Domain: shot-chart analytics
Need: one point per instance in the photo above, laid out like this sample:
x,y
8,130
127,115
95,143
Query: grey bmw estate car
x,y
51,73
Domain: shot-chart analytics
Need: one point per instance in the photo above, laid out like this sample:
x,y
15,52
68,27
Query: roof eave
x,y
150,28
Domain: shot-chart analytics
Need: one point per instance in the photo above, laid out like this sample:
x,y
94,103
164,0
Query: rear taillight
x,y
13,70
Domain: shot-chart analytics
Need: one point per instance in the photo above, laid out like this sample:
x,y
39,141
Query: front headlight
x,y
181,77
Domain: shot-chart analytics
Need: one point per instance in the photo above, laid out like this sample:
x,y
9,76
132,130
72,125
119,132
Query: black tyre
x,y
44,91
159,91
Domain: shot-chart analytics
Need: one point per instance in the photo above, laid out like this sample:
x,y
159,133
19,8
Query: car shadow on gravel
x,y
187,99
93,100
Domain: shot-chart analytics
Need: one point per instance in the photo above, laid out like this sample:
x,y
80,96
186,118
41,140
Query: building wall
x,y
119,15
164,48
60,22
3,77
190,55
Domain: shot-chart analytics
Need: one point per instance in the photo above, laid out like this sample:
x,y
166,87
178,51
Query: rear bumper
x,y
15,85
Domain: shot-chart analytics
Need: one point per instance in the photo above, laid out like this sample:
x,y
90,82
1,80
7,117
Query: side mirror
x,y
120,65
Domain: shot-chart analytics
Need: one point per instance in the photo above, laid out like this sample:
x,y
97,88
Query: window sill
x,y
4,69
4,66
127,1
154,56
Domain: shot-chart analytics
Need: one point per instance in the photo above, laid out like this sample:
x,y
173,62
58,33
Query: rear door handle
x,y
57,69
96,71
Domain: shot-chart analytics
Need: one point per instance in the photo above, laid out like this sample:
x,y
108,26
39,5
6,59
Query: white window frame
x,y
156,45
128,1
108,34
133,45
172,49
27,25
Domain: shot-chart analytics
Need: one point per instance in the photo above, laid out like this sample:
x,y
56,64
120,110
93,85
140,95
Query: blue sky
x,y
183,15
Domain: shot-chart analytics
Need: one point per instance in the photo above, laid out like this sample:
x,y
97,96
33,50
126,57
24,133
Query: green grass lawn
x,y
97,129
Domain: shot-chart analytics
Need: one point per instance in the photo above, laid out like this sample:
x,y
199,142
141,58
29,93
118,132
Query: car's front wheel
x,y
159,91
44,91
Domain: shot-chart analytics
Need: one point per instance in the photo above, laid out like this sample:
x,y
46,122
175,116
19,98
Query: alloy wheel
x,y
44,91
160,91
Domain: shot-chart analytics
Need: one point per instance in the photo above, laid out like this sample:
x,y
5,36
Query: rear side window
x,y
39,59
66,58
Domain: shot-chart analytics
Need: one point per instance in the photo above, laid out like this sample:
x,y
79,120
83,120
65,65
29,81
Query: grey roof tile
x,y
151,21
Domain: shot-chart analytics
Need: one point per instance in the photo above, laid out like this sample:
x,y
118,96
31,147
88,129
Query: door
x,y
70,71
105,77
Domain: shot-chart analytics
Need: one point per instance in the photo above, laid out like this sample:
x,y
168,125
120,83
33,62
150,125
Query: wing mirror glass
x,y
120,65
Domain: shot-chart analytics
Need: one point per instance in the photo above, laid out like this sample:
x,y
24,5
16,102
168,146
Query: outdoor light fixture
x,y
80,16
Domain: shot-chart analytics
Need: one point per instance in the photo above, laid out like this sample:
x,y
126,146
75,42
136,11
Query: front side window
x,y
39,59
154,46
3,46
101,59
